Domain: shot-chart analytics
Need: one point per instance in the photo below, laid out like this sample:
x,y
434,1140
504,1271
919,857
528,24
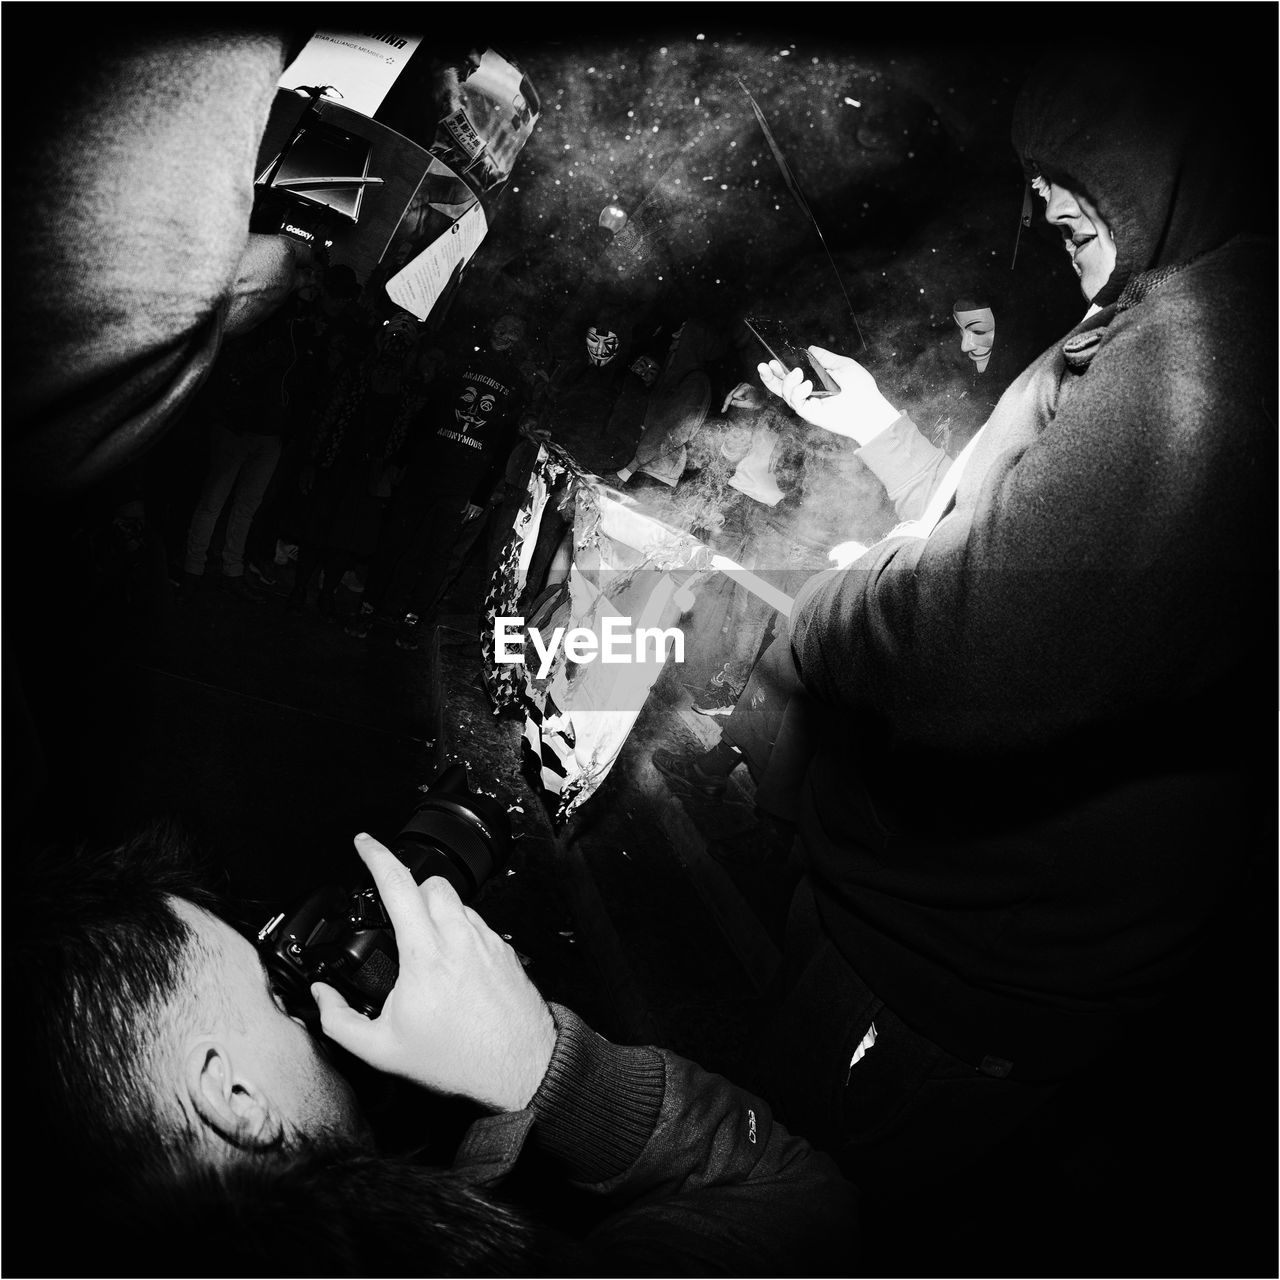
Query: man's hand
x,y
471,512
857,410
463,1018
744,396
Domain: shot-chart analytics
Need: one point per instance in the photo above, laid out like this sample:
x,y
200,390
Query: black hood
x,y
1154,144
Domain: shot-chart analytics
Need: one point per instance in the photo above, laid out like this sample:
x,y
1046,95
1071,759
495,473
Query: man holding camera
x,y
181,1099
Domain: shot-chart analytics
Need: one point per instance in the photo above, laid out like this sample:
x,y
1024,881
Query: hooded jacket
x,y
1039,785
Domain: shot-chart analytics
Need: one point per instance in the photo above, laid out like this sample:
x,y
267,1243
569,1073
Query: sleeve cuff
x,y
899,455
598,1103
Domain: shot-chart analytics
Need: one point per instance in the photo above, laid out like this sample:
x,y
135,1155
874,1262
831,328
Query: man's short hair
x,y
97,972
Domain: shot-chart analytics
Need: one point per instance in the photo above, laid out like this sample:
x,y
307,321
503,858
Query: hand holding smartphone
x,y
790,355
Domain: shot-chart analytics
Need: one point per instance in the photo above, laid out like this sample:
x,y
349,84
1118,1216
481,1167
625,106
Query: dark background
x,y
274,738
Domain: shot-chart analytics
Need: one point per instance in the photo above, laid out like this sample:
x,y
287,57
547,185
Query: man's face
x,y
1088,238
977,334
271,1048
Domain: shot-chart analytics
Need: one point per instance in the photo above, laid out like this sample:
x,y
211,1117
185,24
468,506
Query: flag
x,y
627,565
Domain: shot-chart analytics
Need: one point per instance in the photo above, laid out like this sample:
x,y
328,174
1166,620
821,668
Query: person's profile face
x,y
275,1049
1086,237
977,333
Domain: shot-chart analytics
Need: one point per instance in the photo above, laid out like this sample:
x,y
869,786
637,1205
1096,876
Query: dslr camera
x,y
345,938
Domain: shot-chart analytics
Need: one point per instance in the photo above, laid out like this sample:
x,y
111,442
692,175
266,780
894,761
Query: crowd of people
x,y
1014,730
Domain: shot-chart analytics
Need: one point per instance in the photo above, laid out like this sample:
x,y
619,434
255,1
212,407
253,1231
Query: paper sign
x,y
418,286
361,66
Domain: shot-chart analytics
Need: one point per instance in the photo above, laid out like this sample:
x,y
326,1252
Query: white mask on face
x,y
602,346
977,334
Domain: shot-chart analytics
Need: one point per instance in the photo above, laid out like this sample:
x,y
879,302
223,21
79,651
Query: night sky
x,y
902,152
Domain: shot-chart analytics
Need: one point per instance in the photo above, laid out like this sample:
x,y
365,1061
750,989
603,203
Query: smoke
x,y
902,154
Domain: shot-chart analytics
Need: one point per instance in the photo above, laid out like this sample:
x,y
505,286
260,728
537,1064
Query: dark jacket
x,y
1039,787
691,1173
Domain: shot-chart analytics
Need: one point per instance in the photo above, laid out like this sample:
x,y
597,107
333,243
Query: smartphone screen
x,y
776,339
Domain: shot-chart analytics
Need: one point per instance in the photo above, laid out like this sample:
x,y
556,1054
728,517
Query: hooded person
x,y
455,460
702,363
593,372
1063,652
997,339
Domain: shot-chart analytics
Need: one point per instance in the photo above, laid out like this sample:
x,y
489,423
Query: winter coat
x,y
1039,787
689,1174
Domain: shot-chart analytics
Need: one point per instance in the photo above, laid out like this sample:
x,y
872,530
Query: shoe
x,y
409,637
719,695
683,772
361,622
265,576
241,589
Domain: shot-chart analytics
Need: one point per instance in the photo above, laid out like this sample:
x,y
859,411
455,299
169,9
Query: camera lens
x,y
463,837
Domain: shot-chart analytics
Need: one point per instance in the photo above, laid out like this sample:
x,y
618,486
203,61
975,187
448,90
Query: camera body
x,y
345,938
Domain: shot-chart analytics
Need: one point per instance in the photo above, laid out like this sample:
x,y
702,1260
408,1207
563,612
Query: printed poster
x,y
417,286
361,66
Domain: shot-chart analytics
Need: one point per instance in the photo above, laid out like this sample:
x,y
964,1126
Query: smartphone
x,y
777,341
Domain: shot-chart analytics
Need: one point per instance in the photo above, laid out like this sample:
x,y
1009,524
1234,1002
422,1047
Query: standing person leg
x,y
393,539
226,456
337,562
468,534
436,562
261,455
395,569
269,524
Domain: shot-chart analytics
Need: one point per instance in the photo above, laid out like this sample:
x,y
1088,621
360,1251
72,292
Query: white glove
x,y
857,410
